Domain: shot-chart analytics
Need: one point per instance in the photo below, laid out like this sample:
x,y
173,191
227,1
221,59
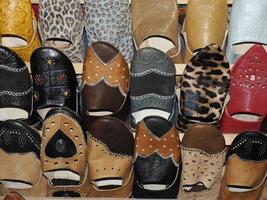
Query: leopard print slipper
x,y
61,26
204,87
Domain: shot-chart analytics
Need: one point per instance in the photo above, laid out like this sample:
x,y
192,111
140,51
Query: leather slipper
x,y
152,86
246,108
110,21
203,155
205,23
247,27
157,162
20,155
246,167
13,196
63,152
204,87
105,78
163,26
54,80
18,27
110,159
61,26
15,86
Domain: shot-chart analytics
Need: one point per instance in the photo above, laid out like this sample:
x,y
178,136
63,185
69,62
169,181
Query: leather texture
x,y
105,77
20,153
17,18
157,157
110,156
63,145
13,196
163,23
203,155
54,79
246,25
152,81
63,20
247,92
246,166
15,83
110,21
204,86
205,23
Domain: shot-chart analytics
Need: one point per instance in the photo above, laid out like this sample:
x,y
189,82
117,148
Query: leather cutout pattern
x,y
248,82
204,85
115,73
64,20
72,129
147,143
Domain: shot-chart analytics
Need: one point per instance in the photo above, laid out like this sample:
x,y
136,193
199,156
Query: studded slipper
x,y
157,163
61,26
204,87
110,159
246,167
246,108
63,152
203,155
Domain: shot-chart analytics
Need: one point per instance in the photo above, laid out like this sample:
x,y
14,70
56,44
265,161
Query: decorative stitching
x,y
13,69
151,71
16,94
203,152
152,95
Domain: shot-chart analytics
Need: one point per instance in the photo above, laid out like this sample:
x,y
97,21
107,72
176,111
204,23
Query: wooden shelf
x,y
178,1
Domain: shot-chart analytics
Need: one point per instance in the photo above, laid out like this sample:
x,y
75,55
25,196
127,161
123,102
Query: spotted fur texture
x,y
204,86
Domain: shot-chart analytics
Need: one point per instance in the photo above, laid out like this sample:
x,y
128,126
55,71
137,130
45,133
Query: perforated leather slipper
x,y
203,156
110,159
63,152
246,167
246,108
204,87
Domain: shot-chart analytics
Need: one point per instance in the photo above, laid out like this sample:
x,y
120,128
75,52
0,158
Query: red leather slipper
x,y
248,93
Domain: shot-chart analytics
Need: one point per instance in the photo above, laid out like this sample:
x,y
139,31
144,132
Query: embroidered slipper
x,y
61,26
13,196
63,152
54,80
244,31
203,155
15,86
163,26
20,154
205,23
246,108
110,21
246,167
18,27
204,87
152,86
157,159
110,157
105,78
39,190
